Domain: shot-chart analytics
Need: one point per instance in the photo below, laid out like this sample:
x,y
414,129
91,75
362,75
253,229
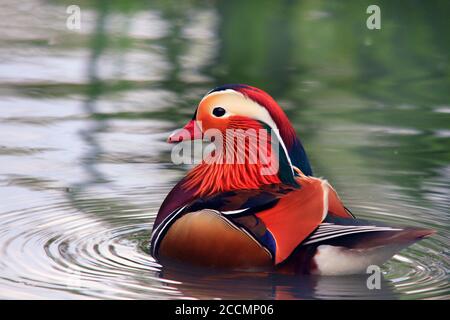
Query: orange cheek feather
x,y
207,120
210,122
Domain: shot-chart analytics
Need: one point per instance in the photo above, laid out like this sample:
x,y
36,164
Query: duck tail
x,y
349,246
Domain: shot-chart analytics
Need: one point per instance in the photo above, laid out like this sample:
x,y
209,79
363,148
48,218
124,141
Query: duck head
x,y
236,106
241,106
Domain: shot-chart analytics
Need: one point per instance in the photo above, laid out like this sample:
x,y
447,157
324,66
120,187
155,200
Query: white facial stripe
x,y
235,103
218,93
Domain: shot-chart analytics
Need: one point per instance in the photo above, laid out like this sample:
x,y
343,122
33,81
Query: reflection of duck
x,y
206,283
251,204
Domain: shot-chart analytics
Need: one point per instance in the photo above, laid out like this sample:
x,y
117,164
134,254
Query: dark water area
x,y
84,165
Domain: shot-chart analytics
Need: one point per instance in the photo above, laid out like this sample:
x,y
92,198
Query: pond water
x,y
84,116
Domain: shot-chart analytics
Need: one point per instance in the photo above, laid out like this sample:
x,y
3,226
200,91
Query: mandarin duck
x,y
239,215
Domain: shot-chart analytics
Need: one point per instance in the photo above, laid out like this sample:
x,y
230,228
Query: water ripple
x,y
59,250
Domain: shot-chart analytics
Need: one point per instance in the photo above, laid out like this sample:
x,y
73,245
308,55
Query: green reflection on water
x,y
359,98
317,57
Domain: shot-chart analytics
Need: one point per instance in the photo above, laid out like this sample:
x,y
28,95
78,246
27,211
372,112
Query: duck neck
x,y
241,159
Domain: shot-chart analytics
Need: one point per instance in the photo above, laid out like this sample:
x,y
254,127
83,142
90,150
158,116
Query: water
x,y
84,116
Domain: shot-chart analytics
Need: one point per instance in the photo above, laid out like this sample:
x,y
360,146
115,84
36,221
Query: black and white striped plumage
x,y
341,246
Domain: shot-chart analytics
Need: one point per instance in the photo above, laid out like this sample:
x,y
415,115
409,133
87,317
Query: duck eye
x,y
219,111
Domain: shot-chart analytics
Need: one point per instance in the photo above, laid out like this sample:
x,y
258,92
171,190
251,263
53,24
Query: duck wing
x,y
341,246
279,217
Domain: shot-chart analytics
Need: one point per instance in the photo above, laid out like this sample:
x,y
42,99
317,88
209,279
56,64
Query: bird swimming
x,y
264,209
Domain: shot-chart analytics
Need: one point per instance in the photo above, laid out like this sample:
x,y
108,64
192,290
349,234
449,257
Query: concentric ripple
x,y
80,249
58,251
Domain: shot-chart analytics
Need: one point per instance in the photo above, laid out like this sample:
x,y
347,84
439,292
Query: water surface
x,y
84,116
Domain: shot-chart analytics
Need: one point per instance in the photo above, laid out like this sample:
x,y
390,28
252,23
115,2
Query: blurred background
x,y
85,113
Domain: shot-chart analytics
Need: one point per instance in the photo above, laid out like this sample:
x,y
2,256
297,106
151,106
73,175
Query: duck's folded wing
x,y
237,207
296,216
342,246
233,206
335,205
358,233
279,217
